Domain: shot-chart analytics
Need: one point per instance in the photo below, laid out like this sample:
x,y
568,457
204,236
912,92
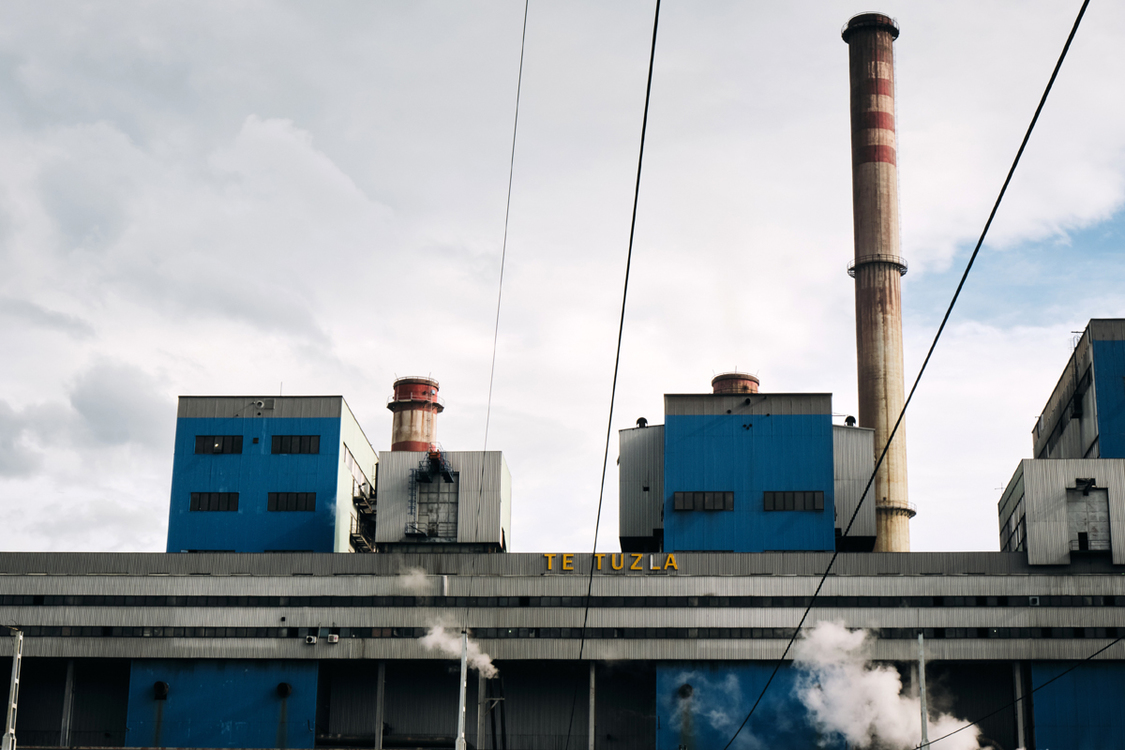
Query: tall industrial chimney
x,y
878,266
734,382
415,406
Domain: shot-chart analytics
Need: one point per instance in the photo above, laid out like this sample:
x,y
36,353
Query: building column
x,y
380,694
592,686
482,709
68,705
1017,677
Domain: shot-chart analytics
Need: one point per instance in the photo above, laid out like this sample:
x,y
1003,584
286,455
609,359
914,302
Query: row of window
x,y
703,500
275,501
63,631
771,501
793,500
750,602
224,444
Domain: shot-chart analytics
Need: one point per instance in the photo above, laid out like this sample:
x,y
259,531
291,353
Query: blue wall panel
x,y
1081,710
748,455
1109,389
215,703
253,474
721,695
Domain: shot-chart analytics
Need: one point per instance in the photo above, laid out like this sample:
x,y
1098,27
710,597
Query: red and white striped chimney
x,y
878,266
415,406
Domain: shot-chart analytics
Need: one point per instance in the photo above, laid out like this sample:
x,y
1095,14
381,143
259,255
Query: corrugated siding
x,y
641,477
764,404
225,407
155,572
484,502
1081,710
853,458
1045,485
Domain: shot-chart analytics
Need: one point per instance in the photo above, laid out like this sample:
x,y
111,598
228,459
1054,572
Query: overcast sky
x,y
221,198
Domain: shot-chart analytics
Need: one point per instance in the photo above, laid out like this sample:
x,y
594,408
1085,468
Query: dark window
x,y
214,501
295,444
703,501
799,500
283,501
214,444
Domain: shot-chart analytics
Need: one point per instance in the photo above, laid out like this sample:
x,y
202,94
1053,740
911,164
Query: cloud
x,y
119,403
37,315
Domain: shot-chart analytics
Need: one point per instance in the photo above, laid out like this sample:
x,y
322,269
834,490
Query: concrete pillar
x,y
380,695
482,710
877,267
1017,677
590,732
68,705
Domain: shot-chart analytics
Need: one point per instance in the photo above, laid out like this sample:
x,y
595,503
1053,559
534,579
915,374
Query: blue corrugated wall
x,y
721,696
1109,389
748,455
1081,710
253,475
214,703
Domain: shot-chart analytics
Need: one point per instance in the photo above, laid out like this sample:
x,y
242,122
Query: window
x,y
703,500
214,501
295,444
283,501
214,444
793,500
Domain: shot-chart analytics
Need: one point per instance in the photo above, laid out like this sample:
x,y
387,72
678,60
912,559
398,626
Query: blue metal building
x,y
285,474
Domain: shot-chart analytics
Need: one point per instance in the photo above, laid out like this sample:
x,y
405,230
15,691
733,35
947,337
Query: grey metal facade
x,y
484,513
641,474
991,593
853,458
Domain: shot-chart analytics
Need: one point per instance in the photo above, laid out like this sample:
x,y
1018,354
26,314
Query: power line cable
x,y
925,363
1033,691
507,214
617,357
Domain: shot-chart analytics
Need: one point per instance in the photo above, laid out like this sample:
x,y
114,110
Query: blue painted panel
x,y
1109,389
214,703
748,455
721,695
253,475
1081,710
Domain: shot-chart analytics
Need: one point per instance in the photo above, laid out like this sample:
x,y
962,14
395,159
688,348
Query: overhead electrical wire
x,y
922,370
617,357
507,214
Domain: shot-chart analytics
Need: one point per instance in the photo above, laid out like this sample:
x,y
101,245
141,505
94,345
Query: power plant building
x,y
314,589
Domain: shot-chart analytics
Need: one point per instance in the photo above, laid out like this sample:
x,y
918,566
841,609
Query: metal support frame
x,y
68,705
8,742
1017,678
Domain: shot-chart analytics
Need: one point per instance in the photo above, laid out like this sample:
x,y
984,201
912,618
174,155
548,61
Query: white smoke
x,y
848,696
449,642
413,579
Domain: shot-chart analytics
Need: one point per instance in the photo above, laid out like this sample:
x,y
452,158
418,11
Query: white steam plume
x,y
847,695
449,642
413,579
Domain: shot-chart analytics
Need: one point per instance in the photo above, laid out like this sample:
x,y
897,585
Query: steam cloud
x,y
847,695
449,642
413,579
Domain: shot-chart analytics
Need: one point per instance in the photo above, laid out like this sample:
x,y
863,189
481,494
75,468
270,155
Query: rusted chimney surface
x,y
877,267
415,406
734,382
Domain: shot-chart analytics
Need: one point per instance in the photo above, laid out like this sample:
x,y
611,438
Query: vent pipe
x,y
415,406
877,266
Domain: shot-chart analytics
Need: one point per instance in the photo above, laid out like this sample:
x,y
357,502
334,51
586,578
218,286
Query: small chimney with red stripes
x,y
877,266
415,406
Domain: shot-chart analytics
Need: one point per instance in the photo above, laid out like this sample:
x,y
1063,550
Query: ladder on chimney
x,y
9,740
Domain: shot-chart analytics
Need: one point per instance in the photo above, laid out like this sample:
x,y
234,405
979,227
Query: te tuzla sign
x,y
626,561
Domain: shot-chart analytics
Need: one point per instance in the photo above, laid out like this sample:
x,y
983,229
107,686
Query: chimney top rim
x,y
869,20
